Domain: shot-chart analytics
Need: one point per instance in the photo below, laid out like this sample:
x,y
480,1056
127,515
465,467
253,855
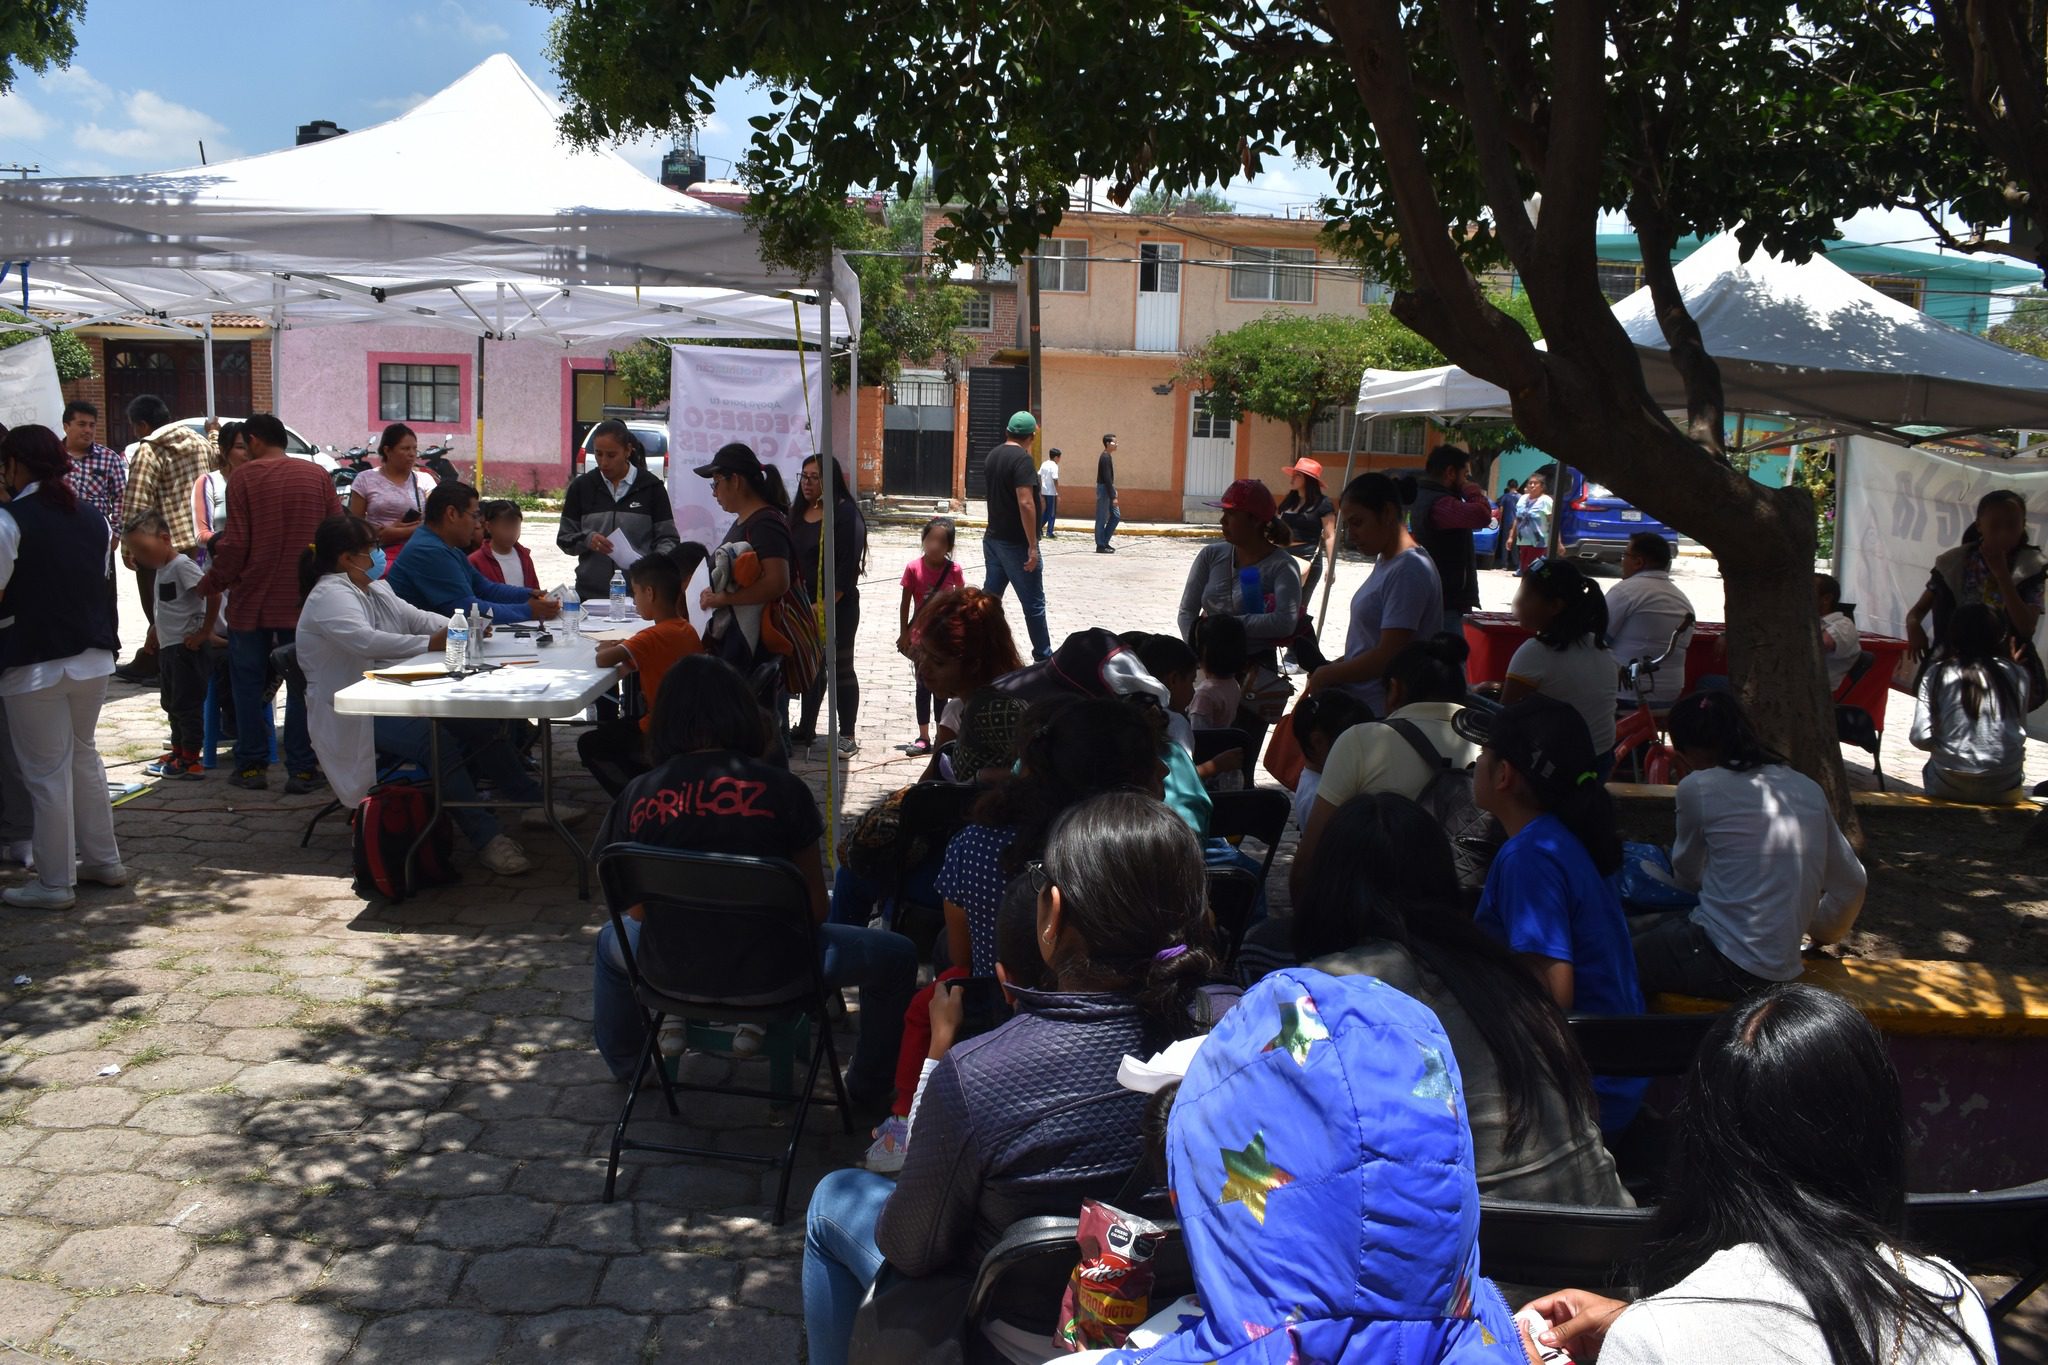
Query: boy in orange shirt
x,y
615,752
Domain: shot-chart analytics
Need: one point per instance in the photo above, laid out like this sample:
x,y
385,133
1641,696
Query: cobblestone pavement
x,y
245,1117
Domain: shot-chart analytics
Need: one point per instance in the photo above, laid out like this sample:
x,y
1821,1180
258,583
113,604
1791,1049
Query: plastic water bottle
x,y
1251,598
572,610
456,656
622,602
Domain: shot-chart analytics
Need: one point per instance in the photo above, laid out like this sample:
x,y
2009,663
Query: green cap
x,y
1023,424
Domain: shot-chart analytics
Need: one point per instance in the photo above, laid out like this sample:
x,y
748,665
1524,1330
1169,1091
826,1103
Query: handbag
x,y
1266,691
1284,759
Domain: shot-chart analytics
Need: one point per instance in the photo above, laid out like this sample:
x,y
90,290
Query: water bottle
x,y
572,610
1251,598
622,602
456,655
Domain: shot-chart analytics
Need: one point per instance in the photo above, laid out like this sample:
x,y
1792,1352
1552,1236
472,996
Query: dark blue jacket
x,y
55,605
435,576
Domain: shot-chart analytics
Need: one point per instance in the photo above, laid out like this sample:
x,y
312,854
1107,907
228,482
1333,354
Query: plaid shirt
x,y
161,473
274,504
99,477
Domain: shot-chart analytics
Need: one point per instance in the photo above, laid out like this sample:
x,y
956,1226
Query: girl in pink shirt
x,y
930,573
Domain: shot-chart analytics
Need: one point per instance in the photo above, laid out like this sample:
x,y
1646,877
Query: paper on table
x,y
623,553
699,581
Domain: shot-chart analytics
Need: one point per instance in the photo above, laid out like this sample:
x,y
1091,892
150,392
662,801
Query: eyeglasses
x,y
1041,878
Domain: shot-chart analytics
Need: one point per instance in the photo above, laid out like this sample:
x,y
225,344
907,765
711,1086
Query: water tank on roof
x,y
683,165
319,130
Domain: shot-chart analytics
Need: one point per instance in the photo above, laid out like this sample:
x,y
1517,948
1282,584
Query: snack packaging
x,y
1110,1291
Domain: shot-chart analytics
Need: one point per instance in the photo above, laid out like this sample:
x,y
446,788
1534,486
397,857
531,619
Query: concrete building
x,y
128,362
1125,297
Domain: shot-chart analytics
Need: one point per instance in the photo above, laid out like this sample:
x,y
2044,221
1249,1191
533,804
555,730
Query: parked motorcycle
x,y
435,458
350,466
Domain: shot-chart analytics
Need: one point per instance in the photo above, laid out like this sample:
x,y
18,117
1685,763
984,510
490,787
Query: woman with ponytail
x,y
1548,895
1029,1119
1569,659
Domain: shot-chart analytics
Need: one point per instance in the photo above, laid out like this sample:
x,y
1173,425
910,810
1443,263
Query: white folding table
x,y
559,686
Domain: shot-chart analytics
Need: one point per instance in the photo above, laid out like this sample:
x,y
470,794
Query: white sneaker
x,y
568,812
504,857
747,1039
103,874
37,896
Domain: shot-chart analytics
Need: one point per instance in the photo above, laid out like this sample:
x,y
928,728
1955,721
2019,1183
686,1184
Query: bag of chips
x,y
1110,1291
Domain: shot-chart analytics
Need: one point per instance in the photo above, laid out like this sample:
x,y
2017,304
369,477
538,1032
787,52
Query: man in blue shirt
x,y
1547,896
434,572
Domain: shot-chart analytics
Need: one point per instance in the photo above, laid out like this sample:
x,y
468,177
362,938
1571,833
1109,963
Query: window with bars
x,y
1907,289
1266,274
978,313
921,391
1063,265
419,393
1619,279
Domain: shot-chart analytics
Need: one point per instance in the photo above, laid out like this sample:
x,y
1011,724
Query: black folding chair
x,y
1258,813
1988,1232
1640,1044
1233,895
723,939
1552,1245
1211,743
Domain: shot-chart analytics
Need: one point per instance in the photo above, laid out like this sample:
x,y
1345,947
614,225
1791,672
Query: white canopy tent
x,y
1810,341
468,211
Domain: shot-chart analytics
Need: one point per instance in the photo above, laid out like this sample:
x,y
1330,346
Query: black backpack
x,y
1475,835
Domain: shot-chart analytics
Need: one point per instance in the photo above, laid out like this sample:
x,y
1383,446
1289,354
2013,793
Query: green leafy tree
x,y
37,34
74,361
2026,329
1164,203
1462,136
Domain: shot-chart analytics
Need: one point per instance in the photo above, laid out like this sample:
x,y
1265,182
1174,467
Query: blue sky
x,y
153,78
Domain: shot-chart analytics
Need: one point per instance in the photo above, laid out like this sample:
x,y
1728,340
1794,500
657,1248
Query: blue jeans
x,y
840,1257
883,966
1106,518
248,672
1051,503
854,897
469,749
1003,563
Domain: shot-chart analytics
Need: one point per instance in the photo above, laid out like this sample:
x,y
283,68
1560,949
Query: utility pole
x,y
1037,369
16,168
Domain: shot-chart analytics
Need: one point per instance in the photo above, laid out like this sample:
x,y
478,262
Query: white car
x,y
295,444
653,438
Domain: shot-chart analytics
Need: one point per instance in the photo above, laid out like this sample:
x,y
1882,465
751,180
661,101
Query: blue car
x,y
1594,524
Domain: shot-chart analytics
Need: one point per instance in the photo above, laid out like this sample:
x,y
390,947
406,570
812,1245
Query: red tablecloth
x,y
1493,638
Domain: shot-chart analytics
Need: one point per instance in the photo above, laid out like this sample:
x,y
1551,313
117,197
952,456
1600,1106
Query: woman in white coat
x,y
350,624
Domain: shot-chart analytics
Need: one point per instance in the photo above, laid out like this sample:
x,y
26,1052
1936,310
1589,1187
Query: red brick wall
x,y
94,389
867,473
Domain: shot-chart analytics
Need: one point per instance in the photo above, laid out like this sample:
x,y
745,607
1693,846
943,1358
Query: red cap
x,y
1249,495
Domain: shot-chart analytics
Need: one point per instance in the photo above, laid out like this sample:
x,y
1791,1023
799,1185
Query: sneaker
x,y
305,783
169,765
251,779
103,874
747,1040
193,771
568,812
1105,549
504,857
892,1140
140,669
37,896
18,851
848,746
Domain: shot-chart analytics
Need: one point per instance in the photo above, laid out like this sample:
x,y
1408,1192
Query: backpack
x,y
1475,835
383,828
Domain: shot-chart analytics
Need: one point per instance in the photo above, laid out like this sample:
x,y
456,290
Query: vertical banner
x,y
29,391
719,395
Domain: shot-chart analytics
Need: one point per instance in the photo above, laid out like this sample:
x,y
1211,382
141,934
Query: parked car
x,y
295,444
653,438
1593,524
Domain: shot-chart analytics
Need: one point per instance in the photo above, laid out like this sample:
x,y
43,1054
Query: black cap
x,y
735,458
1543,739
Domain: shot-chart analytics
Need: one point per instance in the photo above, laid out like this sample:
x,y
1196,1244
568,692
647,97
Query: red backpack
x,y
385,826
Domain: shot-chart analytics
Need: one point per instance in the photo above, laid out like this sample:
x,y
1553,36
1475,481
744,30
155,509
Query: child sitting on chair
x,y
615,752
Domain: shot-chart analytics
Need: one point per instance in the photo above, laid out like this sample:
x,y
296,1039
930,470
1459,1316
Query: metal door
x,y
1159,296
994,392
1212,450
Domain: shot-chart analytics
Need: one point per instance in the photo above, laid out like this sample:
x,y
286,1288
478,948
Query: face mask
x,y
376,563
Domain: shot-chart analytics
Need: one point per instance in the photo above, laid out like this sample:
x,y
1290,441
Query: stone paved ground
x,y
244,1117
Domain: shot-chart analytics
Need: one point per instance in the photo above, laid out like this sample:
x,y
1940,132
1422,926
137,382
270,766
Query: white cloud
x,y
158,132
19,118
454,17
398,104
79,86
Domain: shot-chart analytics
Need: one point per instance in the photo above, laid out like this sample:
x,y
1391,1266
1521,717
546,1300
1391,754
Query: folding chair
x,y
1561,1244
1211,743
1258,813
724,939
1233,894
1988,1232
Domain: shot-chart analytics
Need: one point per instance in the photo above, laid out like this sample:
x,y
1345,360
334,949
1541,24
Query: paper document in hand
x,y
700,619
623,553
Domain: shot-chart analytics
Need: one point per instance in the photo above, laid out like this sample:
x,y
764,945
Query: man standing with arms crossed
x,y
1106,508
1010,545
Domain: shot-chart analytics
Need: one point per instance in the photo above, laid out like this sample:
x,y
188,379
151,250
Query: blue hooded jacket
x,y
1321,1166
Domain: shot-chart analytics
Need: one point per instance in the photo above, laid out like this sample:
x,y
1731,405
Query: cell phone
x,y
411,514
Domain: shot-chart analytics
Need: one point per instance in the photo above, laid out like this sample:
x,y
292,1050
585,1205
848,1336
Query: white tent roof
x,y
1810,341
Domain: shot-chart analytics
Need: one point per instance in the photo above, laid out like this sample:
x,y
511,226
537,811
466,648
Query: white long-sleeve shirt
x,y
1994,745
1763,850
1840,645
343,630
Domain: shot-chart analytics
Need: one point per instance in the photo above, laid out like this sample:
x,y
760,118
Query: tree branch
x,y
1571,183
1497,173
1706,402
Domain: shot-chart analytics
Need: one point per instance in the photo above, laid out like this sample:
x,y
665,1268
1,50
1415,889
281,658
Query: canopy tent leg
x,y
479,414
828,570
206,346
1330,569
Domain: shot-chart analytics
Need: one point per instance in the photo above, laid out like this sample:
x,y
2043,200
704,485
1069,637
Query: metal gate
x,y
917,438
993,393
